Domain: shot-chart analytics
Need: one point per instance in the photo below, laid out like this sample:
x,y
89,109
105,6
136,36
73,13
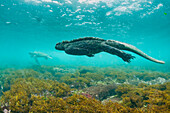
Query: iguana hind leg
x,y
114,51
128,47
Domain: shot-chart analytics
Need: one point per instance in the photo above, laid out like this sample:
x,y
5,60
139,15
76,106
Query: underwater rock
x,y
101,92
136,81
158,80
105,81
85,69
6,111
58,69
86,95
112,99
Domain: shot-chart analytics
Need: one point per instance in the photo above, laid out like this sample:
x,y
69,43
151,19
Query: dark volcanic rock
x,y
101,91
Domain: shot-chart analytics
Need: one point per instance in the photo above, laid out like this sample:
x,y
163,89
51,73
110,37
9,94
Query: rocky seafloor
x,y
84,89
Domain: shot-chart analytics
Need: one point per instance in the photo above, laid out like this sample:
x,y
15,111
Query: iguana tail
x,y
128,47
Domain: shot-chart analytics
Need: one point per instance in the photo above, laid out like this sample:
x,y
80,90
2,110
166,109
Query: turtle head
x,y
60,46
34,53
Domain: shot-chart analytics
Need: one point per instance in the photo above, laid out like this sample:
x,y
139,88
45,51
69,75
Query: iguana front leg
x,y
114,51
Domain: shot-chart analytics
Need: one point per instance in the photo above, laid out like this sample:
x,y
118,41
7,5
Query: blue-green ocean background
x,y
37,25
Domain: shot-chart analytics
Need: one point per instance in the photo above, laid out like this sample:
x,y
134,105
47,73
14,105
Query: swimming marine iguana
x,y
91,45
36,55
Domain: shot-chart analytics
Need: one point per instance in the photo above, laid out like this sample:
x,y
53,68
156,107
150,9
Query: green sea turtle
x,y
91,45
36,55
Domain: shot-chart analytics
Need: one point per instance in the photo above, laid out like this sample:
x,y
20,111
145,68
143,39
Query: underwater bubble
x,y
8,22
51,10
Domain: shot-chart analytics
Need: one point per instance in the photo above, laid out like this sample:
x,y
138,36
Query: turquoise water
x,y
67,83
37,25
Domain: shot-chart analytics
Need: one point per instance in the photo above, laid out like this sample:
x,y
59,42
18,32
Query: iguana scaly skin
x,y
90,46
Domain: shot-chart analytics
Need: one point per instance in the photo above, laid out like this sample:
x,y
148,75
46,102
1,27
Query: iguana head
x,y
60,46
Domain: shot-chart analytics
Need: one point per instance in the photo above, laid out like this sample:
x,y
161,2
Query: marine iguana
x,y
36,55
91,45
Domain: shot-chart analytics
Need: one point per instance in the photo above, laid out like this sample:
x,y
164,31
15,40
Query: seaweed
x,y
86,89
21,95
153,98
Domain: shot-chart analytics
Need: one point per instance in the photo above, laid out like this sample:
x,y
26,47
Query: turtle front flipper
x,y
36,60
114,51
